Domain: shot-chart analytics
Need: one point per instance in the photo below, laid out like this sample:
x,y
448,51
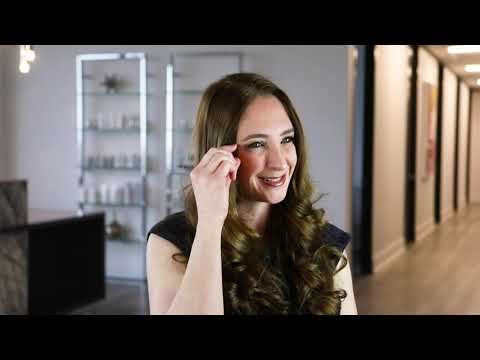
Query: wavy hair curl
x,y
297,275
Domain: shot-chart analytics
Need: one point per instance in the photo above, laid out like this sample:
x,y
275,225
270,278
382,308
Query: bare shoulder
x,y
164,274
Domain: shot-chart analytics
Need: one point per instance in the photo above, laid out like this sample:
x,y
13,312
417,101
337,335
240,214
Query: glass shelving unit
x,y
182,96
135,96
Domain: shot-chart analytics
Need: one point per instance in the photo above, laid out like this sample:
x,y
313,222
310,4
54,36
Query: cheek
x,y
292,158
250,166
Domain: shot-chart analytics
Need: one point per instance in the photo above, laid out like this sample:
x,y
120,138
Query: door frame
x,y
411,149
362,162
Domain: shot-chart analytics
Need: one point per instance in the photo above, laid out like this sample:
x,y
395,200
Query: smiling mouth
x,y
274,181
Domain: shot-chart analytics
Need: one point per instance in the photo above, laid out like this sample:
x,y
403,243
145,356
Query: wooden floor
x,y
437,276
123,297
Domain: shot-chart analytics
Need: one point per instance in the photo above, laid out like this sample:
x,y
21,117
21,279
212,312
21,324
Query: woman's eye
x,y
287,140
255,145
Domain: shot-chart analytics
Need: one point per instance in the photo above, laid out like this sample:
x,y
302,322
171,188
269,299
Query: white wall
x,y
425,186
449,110
475,150
3,145
352,60
390,118
40,113
462,146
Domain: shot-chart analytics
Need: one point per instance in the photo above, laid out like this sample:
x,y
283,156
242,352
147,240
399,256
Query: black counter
x,y
63,257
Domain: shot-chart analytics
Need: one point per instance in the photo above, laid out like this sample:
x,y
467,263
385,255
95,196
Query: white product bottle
x,y
105,198
128,194
83,194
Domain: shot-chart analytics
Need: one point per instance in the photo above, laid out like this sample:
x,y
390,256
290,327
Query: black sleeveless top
x,y
175,227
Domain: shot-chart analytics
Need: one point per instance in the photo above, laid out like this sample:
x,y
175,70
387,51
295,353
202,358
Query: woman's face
x,y
266,150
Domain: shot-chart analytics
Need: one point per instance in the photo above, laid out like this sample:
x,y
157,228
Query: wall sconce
x,y
27,56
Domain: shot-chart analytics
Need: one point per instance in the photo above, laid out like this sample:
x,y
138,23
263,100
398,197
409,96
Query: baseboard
x,y
386,256
446,215
422,231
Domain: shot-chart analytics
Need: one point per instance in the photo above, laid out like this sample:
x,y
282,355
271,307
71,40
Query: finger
x,y
206,158
224,169
211,152
238,162
230,148
216,160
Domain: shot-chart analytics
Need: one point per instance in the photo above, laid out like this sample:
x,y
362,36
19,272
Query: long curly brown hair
x,y
294,273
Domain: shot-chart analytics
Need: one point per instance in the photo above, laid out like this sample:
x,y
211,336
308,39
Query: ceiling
x,y
453,61
456,63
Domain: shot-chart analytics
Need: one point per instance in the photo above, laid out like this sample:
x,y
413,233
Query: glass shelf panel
x,y
134,131
90,77
113,131
180,173
188,92
113,205
111,169
182,131
184,168
124,93
123,239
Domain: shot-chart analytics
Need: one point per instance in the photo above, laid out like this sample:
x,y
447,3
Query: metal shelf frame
x,y
142,94
171,91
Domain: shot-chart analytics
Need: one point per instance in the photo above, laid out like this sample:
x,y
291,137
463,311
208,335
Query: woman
x,y
249,240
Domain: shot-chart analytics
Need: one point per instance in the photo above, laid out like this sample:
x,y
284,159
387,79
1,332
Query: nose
x,y
276,159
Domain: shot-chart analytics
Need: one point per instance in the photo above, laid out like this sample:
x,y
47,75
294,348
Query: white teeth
x,y
270,180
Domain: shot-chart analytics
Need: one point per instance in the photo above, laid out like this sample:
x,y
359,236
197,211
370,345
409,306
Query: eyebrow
x,y
266,136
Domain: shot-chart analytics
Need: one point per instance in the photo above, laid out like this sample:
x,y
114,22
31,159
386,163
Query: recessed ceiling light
x,y
472,68
463,49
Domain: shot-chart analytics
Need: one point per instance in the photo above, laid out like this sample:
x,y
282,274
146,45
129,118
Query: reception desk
x,y
50,261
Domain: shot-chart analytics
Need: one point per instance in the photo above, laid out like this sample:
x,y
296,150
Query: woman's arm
x,y
343,280
176,289
199,290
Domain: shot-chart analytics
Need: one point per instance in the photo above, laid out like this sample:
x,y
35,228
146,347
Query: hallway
x,y
437,276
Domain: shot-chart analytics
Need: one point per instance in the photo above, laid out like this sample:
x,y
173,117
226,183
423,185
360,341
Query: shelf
x,y
113,205
125,93
181,131
137,169
113,131
124,240
96,78
185,167
179,173
188,92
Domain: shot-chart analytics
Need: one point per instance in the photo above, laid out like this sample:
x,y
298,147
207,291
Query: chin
x,y
263,198
273,199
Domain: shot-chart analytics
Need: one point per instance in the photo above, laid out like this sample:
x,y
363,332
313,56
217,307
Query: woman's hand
x,y
211,180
